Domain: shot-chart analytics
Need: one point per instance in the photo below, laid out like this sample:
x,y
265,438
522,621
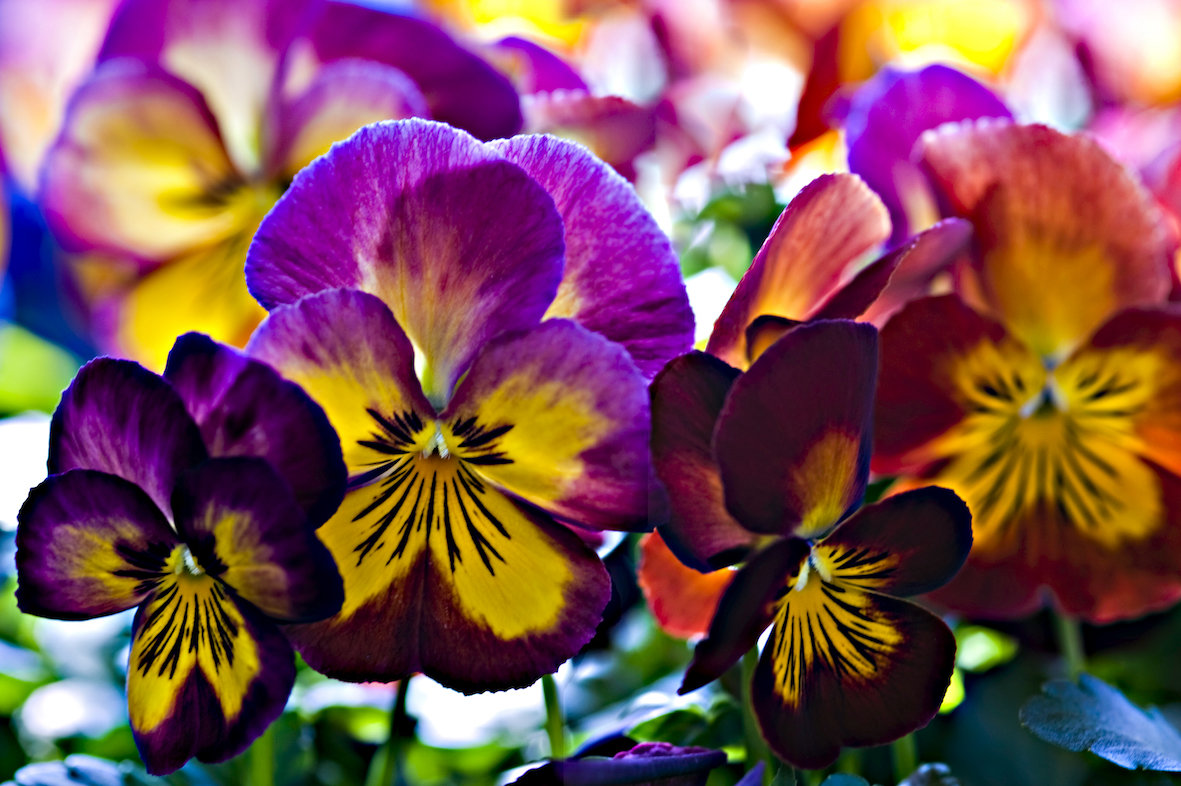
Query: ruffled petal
x,y
206,676
89,544
793,439
621,277
847,667
686,400
461,245
682,600
244,408
810,251
139,167
119,418
243,525
1053,214
557,416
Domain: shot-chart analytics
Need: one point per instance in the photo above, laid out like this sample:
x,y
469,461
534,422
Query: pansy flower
x,y
1044,390
848,661
479,322
195,497
643,764
196,118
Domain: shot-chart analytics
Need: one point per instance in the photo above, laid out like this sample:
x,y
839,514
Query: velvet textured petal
x,y
89,544
347,352
847,667
445,575
889,113
244,408
1052,213
686,400
410,207
747,607
243,526
682,600
206,676
119,418
342,97
557,416
139,167
621,277
907,544
460,88
808,255
793,439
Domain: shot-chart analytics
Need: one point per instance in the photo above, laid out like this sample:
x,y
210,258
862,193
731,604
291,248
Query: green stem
x,y
906,757
756,749
386,767
262,759
555,723
1070,642
850,761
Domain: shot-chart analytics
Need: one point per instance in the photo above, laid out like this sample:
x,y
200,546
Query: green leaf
x,y
1096,717
33,372
979,649
844,779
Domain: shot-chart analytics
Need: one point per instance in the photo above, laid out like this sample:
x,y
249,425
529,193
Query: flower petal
x,y
557,416
846,667
412,207
139,167
206,676
536,69
906,544
794,456
119,418
621,277
88,544
747,607
1053,213
244,527
686,400
826,228
445,575
345,349
682,600
615,129
244,408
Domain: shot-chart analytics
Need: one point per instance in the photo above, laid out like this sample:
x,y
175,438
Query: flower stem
x,y
1070,642
756,749
555,723
386,767
262,758
906,757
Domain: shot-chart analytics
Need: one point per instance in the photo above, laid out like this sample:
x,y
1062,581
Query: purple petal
x,y
537,69
647,764
621,279
460,88
88,544
118,417
244,408
243,525
460,244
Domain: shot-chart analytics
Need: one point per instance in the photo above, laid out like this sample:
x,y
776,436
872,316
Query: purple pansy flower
x,y
194,496
479,322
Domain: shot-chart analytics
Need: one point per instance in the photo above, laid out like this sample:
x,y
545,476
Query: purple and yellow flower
x,y
479,322
197,117
1044,389
848,661
194,496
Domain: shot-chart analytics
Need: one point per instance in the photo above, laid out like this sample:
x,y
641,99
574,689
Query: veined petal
x,y
686,400
826,228
207,673
1053,213
342,97
244,408
406,208
243,525
557,416
89,544
119,418
848,667
747,607
907,544
793,438
621,277
444,574
345,349
203,289
682,599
